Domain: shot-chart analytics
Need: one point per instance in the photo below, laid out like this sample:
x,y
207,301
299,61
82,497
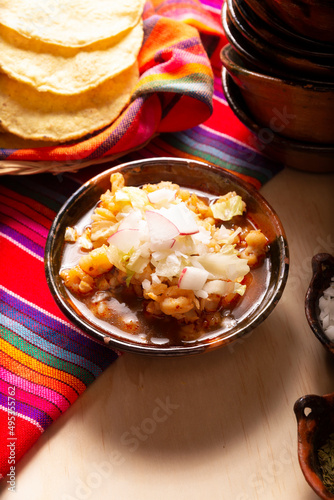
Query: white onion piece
x,y
131,221
71,234
219,287
202,236
223,233
201,294
159,245
192,278
326,305
162,195
330,332
125,239
85,242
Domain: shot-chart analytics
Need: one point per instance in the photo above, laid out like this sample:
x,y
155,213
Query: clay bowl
x,y
323,271
311,18
263,293
303,156
265,11
272,54
248,20
288,107
315,420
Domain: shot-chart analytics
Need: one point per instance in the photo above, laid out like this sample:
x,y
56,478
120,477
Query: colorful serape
x,y
46,362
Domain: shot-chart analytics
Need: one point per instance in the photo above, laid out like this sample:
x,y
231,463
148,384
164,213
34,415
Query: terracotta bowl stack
x,y
278,77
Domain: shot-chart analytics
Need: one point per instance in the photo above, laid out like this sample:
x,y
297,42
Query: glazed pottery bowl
x,y
278,14
267,51
311,18
323,272
261,37
262,294
315,420
301,110
304,156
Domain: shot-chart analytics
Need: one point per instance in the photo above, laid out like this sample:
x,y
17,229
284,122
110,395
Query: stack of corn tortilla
x,y
67,68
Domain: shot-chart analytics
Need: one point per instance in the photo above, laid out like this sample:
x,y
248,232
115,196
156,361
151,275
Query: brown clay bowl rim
x,y
323,271
263,11
262,65
289,39
238,106
255,58
191,173
231,65
282,14
240,17
312,428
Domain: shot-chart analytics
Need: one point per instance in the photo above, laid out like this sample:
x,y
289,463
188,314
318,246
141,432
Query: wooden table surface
x,y
216,426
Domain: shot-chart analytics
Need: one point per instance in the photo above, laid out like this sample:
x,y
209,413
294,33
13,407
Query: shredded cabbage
x,y
224,266
228,208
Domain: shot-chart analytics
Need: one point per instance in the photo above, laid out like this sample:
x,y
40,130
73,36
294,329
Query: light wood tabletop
x,y
216,426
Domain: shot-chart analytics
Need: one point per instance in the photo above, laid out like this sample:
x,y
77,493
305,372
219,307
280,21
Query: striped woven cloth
x,y
46,362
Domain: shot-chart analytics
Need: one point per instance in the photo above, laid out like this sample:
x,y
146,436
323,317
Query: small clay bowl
x,y
311,18
271,54
306,108
315,419
323,272
265,11
303,156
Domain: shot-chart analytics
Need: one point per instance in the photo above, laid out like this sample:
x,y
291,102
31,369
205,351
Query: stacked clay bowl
x,y
279,81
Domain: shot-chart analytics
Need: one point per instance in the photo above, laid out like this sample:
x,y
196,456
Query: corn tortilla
x,y
67,71
12,141
73,23
44,116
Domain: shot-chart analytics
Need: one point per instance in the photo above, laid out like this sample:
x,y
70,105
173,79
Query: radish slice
x,y
182,217
160,228
192,278
162,195
125,239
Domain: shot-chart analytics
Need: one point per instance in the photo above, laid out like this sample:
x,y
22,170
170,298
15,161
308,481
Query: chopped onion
x,y
161,196
192,278
326,306
71,234
219,287
131,220
85,242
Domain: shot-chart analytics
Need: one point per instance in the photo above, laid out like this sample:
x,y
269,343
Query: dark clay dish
x,y
271,55
315,419
323,271
293,30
